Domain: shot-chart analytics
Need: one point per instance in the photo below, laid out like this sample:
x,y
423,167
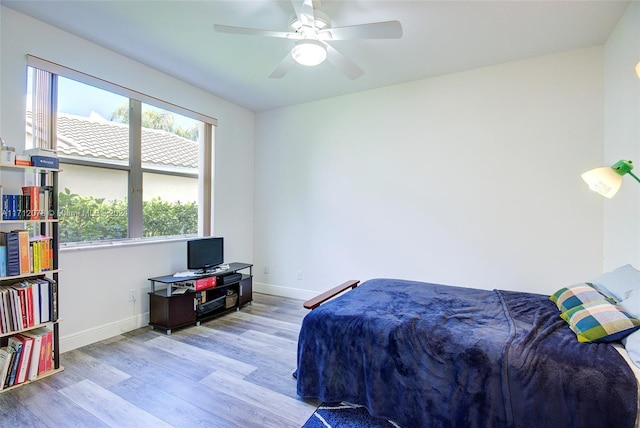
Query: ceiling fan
x,y
312,31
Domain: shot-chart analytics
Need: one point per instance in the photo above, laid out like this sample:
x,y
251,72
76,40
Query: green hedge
x,y
85,218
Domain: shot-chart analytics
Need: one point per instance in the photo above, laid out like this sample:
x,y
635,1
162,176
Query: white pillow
x,y
619,283
632,303
632,342
632,345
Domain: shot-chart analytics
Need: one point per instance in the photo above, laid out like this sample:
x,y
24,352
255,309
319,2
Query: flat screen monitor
x,y
204,254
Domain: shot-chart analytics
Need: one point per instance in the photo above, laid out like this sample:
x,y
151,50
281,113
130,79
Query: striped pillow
x,y
575,295
600,321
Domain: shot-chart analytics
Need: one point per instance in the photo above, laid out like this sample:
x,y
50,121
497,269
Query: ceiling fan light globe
x,y
309,52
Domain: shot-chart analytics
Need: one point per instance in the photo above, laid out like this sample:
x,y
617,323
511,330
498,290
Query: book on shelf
x,y
41,253
23,306
45,359
34,203
10,210
53,304
48,202
41,299
3,259
24,254
25,358
5,313
27,303
3,326
6,207
23,207
45,300
12,360
5,363
6,301
13,252
43,203
39,337
25,294
35,297
23,242
17,346
16,309
32,208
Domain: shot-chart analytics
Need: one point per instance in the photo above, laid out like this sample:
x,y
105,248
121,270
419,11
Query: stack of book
x,y
34,203
26,356
43,158
21,254
27,304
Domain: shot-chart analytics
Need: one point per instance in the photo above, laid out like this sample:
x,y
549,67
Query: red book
x,y
37,335
34,196
29,296
22,300
48,356
42,362
25,357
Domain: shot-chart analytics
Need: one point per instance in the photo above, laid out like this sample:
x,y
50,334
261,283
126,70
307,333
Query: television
x,y
204,254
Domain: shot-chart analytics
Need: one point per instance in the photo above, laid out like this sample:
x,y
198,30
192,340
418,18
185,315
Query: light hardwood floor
x,y
232,371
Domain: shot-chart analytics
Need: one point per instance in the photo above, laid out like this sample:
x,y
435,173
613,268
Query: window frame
x,y
134,168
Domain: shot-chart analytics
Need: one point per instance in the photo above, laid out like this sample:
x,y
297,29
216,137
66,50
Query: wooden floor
x,y
233,371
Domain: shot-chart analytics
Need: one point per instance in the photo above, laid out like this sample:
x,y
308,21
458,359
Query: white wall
x,y
622,139
95,284
470,179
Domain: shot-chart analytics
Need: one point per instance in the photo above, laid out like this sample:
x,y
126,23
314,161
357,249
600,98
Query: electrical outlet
x,y
299,275
132,295
266,270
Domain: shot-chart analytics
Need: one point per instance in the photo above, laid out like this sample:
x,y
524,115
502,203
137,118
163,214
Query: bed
x,y
430,355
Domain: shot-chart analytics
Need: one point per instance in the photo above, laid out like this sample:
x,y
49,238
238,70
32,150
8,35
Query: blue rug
x,y
345,415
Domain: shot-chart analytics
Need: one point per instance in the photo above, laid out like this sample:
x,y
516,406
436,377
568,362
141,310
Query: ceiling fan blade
x,y
254,32
282,68
374,30
344,64
304,12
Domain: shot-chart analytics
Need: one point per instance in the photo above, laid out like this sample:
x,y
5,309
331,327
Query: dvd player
x,y
229,278
210,306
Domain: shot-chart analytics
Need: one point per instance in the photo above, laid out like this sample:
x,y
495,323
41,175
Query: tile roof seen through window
x,y
98,138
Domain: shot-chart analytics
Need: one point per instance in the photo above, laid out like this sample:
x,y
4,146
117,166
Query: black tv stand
x,y
168,310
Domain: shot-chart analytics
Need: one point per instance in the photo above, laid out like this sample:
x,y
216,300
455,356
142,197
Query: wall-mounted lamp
x,y
608,179
638,69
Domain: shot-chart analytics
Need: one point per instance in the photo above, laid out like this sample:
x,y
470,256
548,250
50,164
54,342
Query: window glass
x,y
170,144
92,204
173,211
130,169
92,123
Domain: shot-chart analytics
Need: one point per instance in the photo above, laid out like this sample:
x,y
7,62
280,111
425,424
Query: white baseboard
x,y
276,290
87,337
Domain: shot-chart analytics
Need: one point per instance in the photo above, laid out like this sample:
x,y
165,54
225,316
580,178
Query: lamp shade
x,y
607,180
309,52
604,181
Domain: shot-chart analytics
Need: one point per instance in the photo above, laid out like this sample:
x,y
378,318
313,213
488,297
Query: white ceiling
x,y
440,37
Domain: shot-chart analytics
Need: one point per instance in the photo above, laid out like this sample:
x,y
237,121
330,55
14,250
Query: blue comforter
x,y
427,355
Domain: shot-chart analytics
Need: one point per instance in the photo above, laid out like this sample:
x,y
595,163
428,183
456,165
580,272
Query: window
x,y
134,166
